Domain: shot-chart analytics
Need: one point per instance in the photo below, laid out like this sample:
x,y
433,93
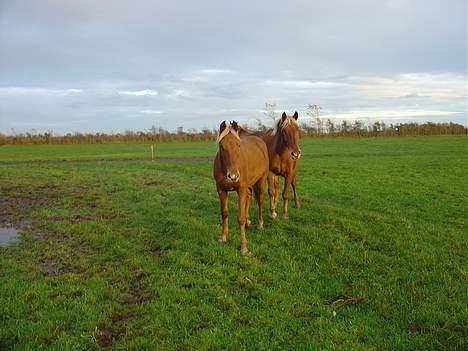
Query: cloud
x,y
400,97
389,114
409,85
216,71
292,84
414,96
38,124
151,112
146,92
38,91
179,93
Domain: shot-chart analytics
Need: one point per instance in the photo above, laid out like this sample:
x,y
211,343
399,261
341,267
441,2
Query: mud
x,y
51,266
415,328
136,293
344,300
17,202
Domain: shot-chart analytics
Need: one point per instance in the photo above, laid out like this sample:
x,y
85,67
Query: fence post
x,y
152,153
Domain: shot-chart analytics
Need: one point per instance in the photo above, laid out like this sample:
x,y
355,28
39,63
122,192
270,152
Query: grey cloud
x,y
197,62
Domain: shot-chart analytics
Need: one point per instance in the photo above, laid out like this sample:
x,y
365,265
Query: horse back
x,y
255,156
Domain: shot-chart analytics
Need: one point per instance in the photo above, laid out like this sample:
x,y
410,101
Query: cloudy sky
x,y
113,65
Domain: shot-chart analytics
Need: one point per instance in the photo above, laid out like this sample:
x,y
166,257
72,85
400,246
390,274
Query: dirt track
x,y
182,159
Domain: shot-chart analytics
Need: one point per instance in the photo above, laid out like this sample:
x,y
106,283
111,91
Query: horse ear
x,y
283,117
295,115
235,125
222,127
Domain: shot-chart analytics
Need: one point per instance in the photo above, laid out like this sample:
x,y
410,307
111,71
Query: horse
x,y
241,164
283,153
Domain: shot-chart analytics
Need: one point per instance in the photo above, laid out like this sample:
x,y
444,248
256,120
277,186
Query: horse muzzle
x,y
295,155
233,177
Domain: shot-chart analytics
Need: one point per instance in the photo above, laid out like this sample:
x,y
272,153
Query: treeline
x,y
327,128
318,128
150,136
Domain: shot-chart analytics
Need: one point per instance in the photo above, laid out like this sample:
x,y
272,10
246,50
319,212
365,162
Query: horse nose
x,y
234,176
296,155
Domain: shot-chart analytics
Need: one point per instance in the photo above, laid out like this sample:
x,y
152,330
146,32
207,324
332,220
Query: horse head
x,y
289,130
229,149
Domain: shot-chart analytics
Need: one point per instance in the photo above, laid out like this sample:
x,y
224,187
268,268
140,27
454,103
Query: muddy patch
x,y
345,300
73,218
107,334
415,327
16,203
54,266
9,236
158,249
133,295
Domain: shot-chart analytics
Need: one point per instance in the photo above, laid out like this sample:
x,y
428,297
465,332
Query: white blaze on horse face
x,y
291,133
232,171
294,149
230,153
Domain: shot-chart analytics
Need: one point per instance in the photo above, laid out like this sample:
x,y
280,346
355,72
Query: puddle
x,y
9,236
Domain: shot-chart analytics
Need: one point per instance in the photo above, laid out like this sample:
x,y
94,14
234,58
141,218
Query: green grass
x,y
124,255
103,151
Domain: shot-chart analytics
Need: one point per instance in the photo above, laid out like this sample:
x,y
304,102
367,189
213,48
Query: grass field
x,y
125,255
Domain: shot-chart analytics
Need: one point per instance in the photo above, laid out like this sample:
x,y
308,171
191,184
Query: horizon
x,y
363,126
116,65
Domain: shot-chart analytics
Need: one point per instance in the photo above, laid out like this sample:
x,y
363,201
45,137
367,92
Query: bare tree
x,y
260,126
270,111
331,129
314,112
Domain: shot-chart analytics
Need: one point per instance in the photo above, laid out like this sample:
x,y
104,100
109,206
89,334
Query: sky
x,y
111,66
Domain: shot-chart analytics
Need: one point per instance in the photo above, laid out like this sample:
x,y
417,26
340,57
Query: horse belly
x,y
257,167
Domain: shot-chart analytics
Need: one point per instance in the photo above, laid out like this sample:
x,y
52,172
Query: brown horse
x,y
240,165
283,153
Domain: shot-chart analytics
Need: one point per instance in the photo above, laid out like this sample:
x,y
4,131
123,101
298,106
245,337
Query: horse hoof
x,y
222,240
248,223
244,251
273,215
285,216
297,205
260,226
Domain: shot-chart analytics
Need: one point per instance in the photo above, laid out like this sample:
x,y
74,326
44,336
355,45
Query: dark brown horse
x,y
240,165
283,153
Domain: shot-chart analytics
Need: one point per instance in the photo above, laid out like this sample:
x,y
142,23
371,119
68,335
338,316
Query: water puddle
x,y
9,236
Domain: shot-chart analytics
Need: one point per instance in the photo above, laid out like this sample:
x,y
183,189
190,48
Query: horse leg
x,y
247,207
243,197
273,193
224,203
296,198
277,190
287,182
259,194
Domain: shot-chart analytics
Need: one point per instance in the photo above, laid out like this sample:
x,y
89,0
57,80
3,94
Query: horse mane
x,y
225,132
248,132
279,124
244,131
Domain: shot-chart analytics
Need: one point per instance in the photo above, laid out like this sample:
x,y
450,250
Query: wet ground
x,y
9,236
